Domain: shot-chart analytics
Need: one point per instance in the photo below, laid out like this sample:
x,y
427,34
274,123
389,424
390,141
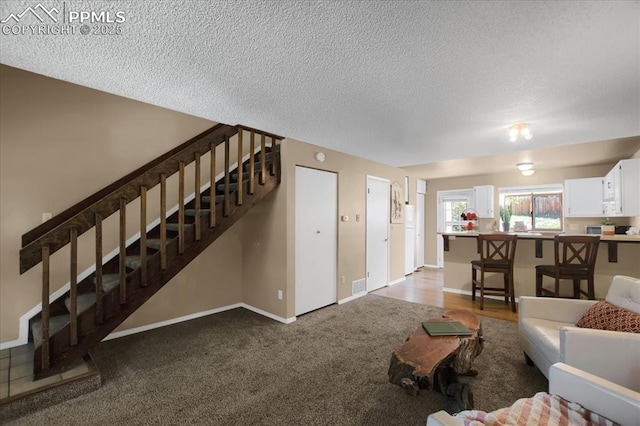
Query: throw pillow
x,y
605,316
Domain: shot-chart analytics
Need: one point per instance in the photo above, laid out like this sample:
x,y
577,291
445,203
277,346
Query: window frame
x,y
533,191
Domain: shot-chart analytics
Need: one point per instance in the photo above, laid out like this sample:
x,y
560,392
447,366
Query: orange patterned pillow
x,y
605,316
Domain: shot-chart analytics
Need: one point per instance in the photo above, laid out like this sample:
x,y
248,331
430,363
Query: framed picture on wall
x,y
397,203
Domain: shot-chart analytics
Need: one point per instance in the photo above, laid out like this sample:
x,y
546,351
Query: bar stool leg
x,y
576,289
512,291
482,290
474,279
557,290
506,287
590,288
538,284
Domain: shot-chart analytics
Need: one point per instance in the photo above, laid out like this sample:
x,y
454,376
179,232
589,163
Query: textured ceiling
x,y
399,82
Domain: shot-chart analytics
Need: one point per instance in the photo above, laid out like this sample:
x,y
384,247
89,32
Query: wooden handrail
x,y
105,202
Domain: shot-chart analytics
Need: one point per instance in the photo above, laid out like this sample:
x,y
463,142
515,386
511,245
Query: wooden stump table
x,y
436,362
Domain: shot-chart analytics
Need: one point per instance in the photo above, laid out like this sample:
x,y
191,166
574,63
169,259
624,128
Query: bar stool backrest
x,y
576,251
497,248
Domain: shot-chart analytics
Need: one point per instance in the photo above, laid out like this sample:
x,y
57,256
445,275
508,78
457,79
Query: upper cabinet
x,y
583,197
483,200
621,189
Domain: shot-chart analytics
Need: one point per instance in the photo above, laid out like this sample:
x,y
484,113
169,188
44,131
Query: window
x,y
451,205
536,208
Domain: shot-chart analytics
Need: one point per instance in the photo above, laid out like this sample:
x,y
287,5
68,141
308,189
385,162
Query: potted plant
x,y
505,215
608,227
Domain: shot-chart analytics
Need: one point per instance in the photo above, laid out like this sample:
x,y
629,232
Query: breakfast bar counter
x,y
617,255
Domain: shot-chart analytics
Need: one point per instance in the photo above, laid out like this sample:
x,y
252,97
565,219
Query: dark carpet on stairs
x,y
327,368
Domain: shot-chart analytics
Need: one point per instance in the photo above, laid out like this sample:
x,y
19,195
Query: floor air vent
x,y
358,286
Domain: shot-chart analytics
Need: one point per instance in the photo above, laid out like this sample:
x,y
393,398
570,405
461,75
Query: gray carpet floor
x,y
327,368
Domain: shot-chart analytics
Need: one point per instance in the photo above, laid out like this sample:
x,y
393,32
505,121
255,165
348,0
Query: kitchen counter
x,y
611,240
617,255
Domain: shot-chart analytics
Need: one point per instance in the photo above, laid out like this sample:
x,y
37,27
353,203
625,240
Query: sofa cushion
x,y
605,316
545,334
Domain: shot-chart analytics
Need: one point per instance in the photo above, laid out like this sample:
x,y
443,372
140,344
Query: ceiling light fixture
x,y
520,129
526,168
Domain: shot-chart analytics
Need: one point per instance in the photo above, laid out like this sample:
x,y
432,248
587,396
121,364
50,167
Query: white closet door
x,y
316,239
378,206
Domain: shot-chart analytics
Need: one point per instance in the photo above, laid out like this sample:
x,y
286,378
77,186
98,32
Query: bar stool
x,y
575,259
497,254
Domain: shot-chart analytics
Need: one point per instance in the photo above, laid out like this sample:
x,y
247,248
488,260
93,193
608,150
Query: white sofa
x,y
600,396
548,335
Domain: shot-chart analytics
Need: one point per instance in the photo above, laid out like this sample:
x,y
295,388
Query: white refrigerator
x,y
409,240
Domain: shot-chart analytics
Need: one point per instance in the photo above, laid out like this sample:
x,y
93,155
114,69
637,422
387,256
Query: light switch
x,y
357,218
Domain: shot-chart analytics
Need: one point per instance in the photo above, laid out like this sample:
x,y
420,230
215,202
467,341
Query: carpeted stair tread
x,y
256,167
154,243
207,199
85,301
192,212
175,226
109,282
232,187
133,261
56,324
245,176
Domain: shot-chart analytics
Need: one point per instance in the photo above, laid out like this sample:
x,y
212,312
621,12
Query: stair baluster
x,y
123,251
99,309
239,170
197,193
73,286
45,308
225,209
212,188
143,236
163,222
252,159
263,160
181,209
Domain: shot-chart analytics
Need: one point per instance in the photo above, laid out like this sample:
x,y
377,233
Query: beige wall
x,y
263,277
59,143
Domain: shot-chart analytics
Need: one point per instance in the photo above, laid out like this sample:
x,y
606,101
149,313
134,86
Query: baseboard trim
x,y
352,297
268,314
433,266
468,293
398,281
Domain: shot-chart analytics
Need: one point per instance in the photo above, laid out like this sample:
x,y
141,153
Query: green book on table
x,y
446,328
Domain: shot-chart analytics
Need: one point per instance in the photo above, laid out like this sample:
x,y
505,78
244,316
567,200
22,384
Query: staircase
x,y
69,326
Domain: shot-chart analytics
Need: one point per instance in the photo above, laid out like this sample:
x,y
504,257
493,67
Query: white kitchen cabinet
x,y
483,200
608,188
583,197
623,199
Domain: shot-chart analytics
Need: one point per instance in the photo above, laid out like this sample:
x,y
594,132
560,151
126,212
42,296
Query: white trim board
x,y
23,328
352,297
398,281
148,327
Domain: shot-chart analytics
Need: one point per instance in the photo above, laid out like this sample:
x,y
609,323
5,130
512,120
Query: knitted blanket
x,y
541,409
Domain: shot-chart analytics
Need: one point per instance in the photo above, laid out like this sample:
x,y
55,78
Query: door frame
x,y
388,224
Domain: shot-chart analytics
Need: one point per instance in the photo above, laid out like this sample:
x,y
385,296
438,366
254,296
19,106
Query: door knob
x,y
317,232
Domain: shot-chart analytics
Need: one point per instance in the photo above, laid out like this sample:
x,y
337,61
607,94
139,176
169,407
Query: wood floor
x,y
426,286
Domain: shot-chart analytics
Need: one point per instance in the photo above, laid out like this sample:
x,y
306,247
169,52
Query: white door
x,y
316,239
377,232
419,226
